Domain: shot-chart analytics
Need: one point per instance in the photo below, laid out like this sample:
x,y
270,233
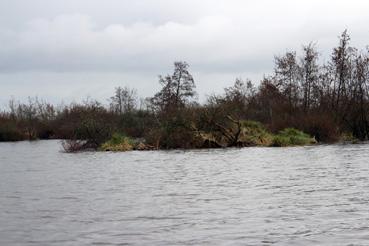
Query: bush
x,y
9,132
253,133
292,137
135,123
74,145
348,137
176,130
118,142
322,127
87,122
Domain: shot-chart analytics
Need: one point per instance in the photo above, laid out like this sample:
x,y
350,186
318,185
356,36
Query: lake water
x,y
252,196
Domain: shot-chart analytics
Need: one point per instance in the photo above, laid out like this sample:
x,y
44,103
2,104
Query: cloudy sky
x,y
70,49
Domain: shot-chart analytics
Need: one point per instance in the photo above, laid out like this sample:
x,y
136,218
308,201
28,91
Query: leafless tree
x,y
287,77
177,89
309,69
124,100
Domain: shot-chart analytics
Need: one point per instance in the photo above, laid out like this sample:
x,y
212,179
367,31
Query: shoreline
x,y
337,143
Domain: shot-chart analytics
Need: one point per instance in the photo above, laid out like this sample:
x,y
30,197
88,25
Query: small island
x,y
303,102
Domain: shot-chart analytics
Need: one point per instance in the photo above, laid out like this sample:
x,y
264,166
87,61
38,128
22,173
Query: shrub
x,y
89,122
118,142
73,145
292,137
9,132
322,127
348,137
254,133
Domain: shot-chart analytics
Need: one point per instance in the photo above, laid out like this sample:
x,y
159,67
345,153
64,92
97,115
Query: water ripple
x,y
253,196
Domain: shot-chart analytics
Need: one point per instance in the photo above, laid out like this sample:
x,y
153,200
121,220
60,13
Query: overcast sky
x,y
70,49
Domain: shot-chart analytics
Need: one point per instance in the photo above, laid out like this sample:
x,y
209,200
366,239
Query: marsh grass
x,y
292,137
118,142
254,134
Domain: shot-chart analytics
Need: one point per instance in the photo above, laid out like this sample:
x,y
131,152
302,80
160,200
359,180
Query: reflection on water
x,y
253,196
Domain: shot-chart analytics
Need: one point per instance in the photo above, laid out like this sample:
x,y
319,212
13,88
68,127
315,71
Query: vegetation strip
x,y
303,102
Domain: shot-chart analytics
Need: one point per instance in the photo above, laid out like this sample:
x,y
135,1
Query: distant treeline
x,y
325,101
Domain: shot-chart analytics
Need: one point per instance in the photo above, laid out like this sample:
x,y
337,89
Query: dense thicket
x,y
324,100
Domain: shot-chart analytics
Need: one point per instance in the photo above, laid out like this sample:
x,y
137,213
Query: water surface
x,y
253,196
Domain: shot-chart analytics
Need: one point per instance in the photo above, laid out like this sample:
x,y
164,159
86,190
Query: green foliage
x,y
118,142
292,137
254,133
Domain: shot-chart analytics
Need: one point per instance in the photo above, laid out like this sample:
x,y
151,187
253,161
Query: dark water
x,y
252,196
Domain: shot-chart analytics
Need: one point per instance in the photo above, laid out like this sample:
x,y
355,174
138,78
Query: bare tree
x,y
342,68
309,73
287,77
124,100
241,91
177,89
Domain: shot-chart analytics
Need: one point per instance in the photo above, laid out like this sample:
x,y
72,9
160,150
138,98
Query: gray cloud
x,y
134,41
